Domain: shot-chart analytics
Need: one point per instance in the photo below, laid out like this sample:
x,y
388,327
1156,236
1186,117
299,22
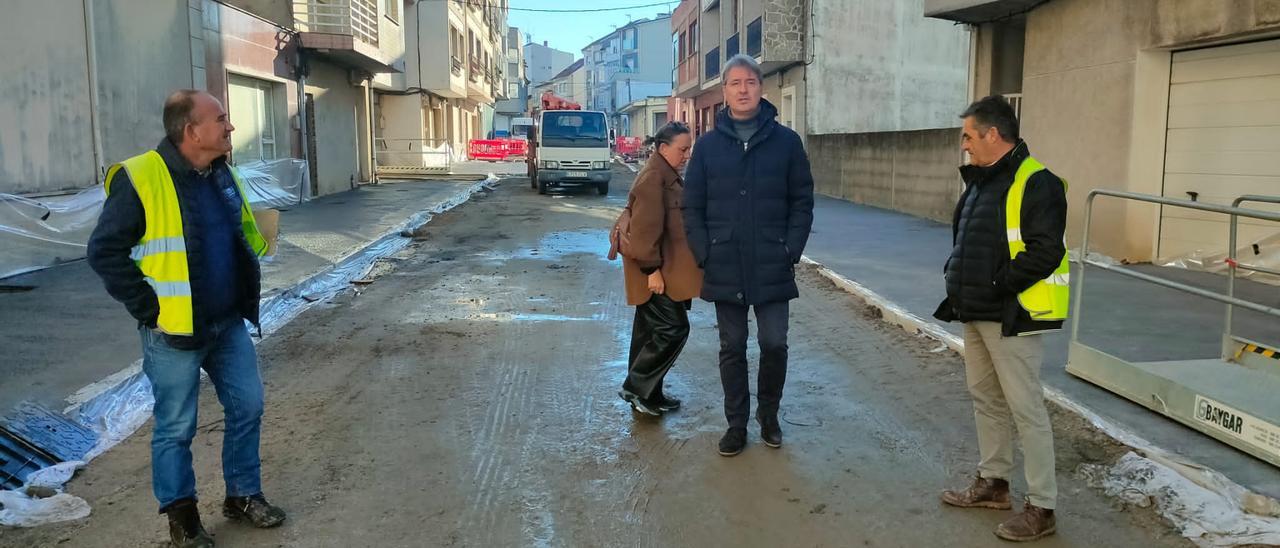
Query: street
x,y
467,397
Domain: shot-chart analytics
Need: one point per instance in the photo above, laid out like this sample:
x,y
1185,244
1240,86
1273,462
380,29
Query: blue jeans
x,y
232,365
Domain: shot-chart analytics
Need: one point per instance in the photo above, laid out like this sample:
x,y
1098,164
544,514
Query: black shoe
x,y
639,405
666,403
185,529
770,429
253,509
733,441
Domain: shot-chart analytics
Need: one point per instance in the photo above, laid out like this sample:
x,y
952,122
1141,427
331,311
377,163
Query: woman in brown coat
x,y
661,274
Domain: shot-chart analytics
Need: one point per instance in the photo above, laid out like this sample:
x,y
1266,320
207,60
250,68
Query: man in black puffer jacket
x,y
748,209
1007,280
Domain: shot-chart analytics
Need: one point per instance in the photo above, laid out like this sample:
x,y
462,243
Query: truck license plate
x,y
582,174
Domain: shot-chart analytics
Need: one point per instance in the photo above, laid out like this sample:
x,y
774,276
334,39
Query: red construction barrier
x,y
629,146
497,150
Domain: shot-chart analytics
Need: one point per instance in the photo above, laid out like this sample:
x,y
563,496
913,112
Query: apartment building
x,y
545,62
1176,98
455,70
632,62
515,102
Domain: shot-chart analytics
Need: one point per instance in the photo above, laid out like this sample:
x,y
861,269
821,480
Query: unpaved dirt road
x,y
467,397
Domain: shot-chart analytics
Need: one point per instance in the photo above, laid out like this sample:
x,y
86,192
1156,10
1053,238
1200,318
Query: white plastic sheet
x,y
38,233
1264,252
19,510
277,184
1207,516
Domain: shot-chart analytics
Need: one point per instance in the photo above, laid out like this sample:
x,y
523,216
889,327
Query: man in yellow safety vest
x,y
1008,280
178,246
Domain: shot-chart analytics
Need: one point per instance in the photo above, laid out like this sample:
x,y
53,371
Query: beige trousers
x,y
1004,378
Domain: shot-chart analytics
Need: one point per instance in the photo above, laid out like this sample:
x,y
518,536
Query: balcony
x,y
754,35
346,30
731,47
975,11
479,82
713,64
456,67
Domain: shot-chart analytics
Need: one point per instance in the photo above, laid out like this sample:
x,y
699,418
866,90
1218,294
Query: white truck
x,y
570,149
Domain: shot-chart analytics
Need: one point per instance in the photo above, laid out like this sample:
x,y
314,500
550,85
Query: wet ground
x,y
467,397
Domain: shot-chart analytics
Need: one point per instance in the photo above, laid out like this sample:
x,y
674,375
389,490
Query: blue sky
x,y
571,31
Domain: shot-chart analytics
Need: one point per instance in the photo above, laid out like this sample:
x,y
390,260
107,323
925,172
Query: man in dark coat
x,y
748,208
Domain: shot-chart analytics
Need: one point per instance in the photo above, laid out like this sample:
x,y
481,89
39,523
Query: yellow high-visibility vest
x,y
1049,298
161,254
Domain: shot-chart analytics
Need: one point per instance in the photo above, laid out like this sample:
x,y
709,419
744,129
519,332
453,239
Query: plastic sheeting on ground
x,y
1263,253
37,233
1212,515
278,184
119,405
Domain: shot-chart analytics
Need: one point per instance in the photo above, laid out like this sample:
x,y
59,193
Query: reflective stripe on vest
x,y
1048,299
161,254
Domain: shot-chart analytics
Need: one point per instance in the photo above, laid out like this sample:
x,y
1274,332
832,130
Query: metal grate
x,y
358,18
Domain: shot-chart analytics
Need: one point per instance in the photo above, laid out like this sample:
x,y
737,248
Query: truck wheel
x,y
542,187
602,188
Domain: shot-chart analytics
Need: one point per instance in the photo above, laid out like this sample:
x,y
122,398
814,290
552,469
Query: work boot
x,y
733,441
185,529
770,429
1032,524
984,493
254,509
640,405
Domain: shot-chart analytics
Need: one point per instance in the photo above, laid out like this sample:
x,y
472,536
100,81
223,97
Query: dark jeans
x,y
658,335
772,335
229,359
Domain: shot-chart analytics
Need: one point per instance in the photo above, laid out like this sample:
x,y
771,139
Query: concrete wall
x,y
909,171
46,137
45,132
654,43
886,68
337,149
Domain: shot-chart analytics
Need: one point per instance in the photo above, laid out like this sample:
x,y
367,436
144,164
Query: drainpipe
x,y
95,123
302,122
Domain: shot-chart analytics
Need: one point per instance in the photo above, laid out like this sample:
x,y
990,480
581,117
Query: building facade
x,y
1174,98
705,33
515,102
545,62
643,117
456,69
631,63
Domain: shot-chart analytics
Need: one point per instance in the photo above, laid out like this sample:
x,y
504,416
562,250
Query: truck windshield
x,y
574,129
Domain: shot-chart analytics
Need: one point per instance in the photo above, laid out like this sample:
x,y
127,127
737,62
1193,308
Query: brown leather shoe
x,y
1033,523
984,493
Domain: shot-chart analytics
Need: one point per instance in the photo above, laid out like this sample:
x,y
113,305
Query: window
x,y
629,39
788,115
733,17
392,10
251,104
513,90
693,39
681,40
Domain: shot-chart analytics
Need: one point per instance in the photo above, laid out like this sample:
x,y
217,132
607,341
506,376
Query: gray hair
x,y
745,61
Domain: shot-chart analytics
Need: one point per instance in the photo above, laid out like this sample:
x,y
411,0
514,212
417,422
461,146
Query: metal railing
x,y
356,18
456,66
1015,101
1229,299
1232,241
412,156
